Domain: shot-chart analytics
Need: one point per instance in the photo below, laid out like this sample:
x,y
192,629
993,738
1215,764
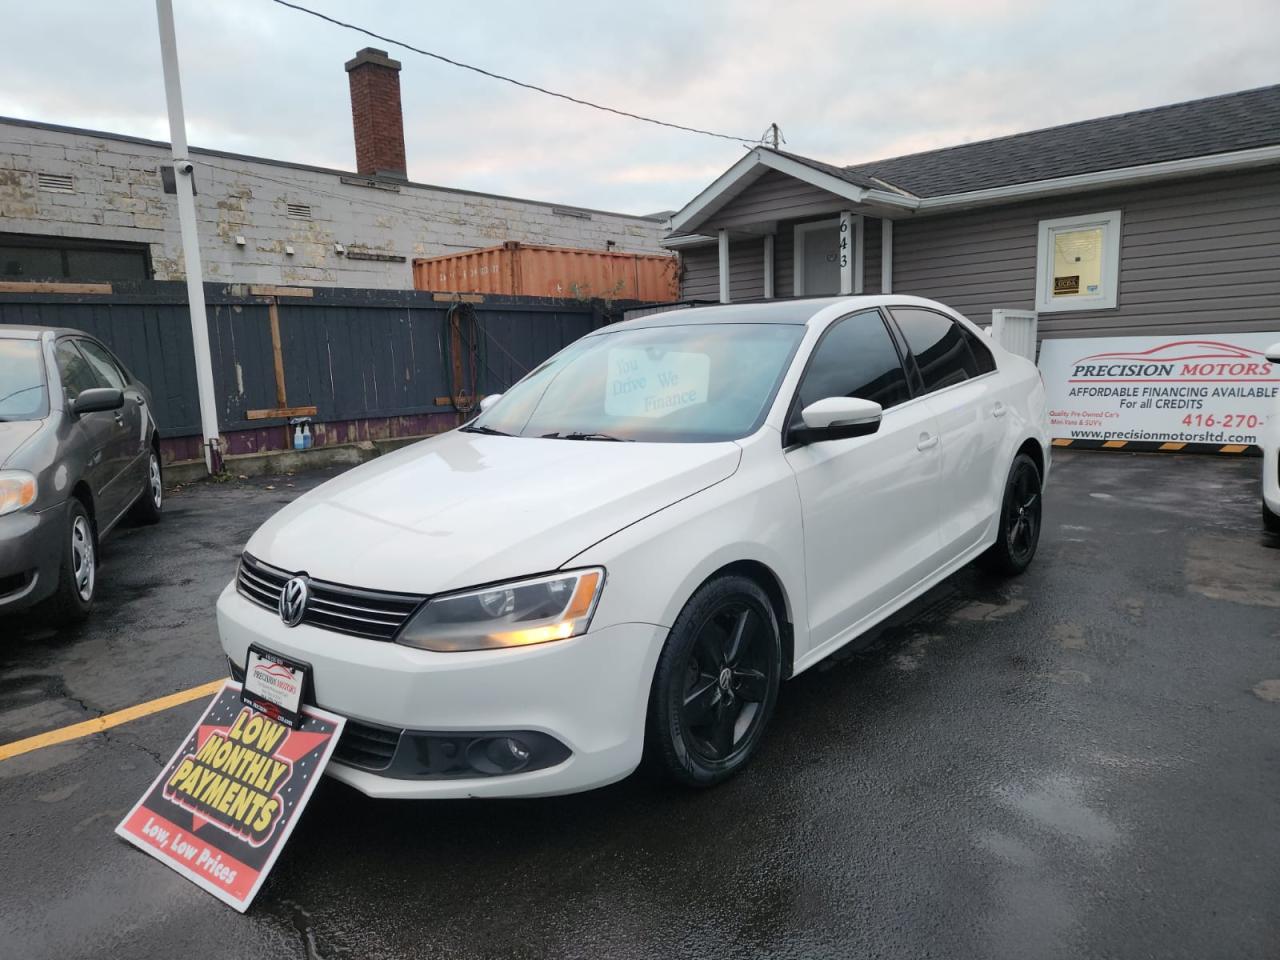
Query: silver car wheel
x,y
157,487
82,558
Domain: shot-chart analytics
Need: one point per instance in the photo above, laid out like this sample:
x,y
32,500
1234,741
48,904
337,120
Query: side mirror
x,y
489,401
838,418
1273,353
97,399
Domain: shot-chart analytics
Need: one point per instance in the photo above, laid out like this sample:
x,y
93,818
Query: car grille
x,y
366,746
374,614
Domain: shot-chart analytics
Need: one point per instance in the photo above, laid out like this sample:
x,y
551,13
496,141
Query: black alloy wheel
x,y
1020,515
716,682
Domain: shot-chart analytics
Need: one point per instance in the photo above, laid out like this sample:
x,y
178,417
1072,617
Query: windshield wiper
x,y
481,428
584,436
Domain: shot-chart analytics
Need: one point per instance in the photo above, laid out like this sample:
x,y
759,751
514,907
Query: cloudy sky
x,y
847,80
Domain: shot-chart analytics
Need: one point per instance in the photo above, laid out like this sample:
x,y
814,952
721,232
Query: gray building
x,y
86,205
1158,221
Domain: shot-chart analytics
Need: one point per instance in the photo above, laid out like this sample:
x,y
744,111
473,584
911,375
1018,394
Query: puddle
x,y
1238,571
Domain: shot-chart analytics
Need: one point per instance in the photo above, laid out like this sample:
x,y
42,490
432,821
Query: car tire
x,y
716,683
78,575
1020,520
148,506
1270,520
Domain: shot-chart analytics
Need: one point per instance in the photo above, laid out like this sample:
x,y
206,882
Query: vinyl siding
x,y
700,273
700,278
1194,254
774,196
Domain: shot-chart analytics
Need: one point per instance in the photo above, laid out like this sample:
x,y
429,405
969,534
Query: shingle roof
x,y
847,174
1223,124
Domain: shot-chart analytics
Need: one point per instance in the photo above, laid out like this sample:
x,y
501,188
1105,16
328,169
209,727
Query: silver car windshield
x,y
689,383
23,395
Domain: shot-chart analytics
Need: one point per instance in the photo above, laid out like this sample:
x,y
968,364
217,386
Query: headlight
x,y
514,614
17,490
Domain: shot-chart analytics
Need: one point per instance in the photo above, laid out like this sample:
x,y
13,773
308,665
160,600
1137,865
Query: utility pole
x,y
183,171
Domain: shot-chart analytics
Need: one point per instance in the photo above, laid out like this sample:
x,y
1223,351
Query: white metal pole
x,y
724,266
183,171
859,249
768,266
886,255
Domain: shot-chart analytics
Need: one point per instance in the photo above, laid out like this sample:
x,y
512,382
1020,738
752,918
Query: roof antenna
x,y
773,136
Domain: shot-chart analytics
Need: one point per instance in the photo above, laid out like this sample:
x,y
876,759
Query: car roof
x,y
22,331
797,311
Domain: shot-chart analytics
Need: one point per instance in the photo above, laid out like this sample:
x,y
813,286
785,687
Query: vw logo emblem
x,y
293,601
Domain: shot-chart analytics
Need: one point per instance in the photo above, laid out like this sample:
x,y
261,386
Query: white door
x,y
869,504
964,392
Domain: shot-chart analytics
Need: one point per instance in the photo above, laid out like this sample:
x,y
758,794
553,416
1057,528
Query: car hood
x,y
13,434
463,508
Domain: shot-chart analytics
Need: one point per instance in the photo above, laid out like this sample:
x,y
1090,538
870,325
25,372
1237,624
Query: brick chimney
x,y
376,114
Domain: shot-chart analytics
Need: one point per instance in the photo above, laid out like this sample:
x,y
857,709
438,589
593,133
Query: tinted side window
x,y
938,346
77,375
102,363
982,355
856,358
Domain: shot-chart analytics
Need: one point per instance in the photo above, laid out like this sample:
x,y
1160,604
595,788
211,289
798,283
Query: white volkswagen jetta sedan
x,y
630,550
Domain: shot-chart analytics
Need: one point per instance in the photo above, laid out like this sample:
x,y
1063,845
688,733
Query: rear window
x,y
23,395
939,347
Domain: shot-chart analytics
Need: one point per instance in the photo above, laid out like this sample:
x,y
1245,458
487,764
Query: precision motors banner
x,y
1174,390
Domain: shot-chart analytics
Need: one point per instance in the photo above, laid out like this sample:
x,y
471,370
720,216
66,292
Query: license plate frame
x,y
280,686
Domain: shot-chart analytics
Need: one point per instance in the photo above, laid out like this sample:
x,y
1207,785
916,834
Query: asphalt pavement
x,y
1080,762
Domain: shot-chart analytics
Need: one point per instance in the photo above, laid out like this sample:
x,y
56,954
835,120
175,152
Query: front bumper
x,y
589,693
31,546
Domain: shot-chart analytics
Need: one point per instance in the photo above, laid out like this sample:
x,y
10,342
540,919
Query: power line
x,y
518,83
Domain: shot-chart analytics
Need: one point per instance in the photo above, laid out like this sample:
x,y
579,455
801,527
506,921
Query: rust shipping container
x,y
524,269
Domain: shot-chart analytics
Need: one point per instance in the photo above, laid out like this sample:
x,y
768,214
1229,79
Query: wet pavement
x,y
1082,762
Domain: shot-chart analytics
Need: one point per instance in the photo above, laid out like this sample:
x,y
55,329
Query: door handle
x,y
999,410
927,442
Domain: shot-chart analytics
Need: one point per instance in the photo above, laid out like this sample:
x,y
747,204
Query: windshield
x,y
22,391
700,382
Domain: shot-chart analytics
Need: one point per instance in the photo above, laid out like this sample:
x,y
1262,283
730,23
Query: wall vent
x,y
298,211
55,182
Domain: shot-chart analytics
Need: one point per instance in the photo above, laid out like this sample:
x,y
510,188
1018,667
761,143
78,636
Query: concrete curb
x,y
273,462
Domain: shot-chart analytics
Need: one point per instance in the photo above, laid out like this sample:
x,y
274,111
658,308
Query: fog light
x,y
497,755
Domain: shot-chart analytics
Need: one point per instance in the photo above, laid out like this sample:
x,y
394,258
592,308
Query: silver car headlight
x,y
513,614
17,490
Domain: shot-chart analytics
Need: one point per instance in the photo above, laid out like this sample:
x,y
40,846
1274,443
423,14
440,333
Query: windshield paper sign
x,y
653,383
223,807
1176,390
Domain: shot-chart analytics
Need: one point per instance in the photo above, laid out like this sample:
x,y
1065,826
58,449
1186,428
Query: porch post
x,y
724,266
768,266
886,256
847,277
859,238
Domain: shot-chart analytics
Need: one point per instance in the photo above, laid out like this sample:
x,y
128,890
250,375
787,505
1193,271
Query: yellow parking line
x,y
107,720
1172,445
1234,448
1061,442
1115,444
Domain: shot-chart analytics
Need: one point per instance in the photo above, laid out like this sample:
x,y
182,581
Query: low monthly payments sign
x,y
222,808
